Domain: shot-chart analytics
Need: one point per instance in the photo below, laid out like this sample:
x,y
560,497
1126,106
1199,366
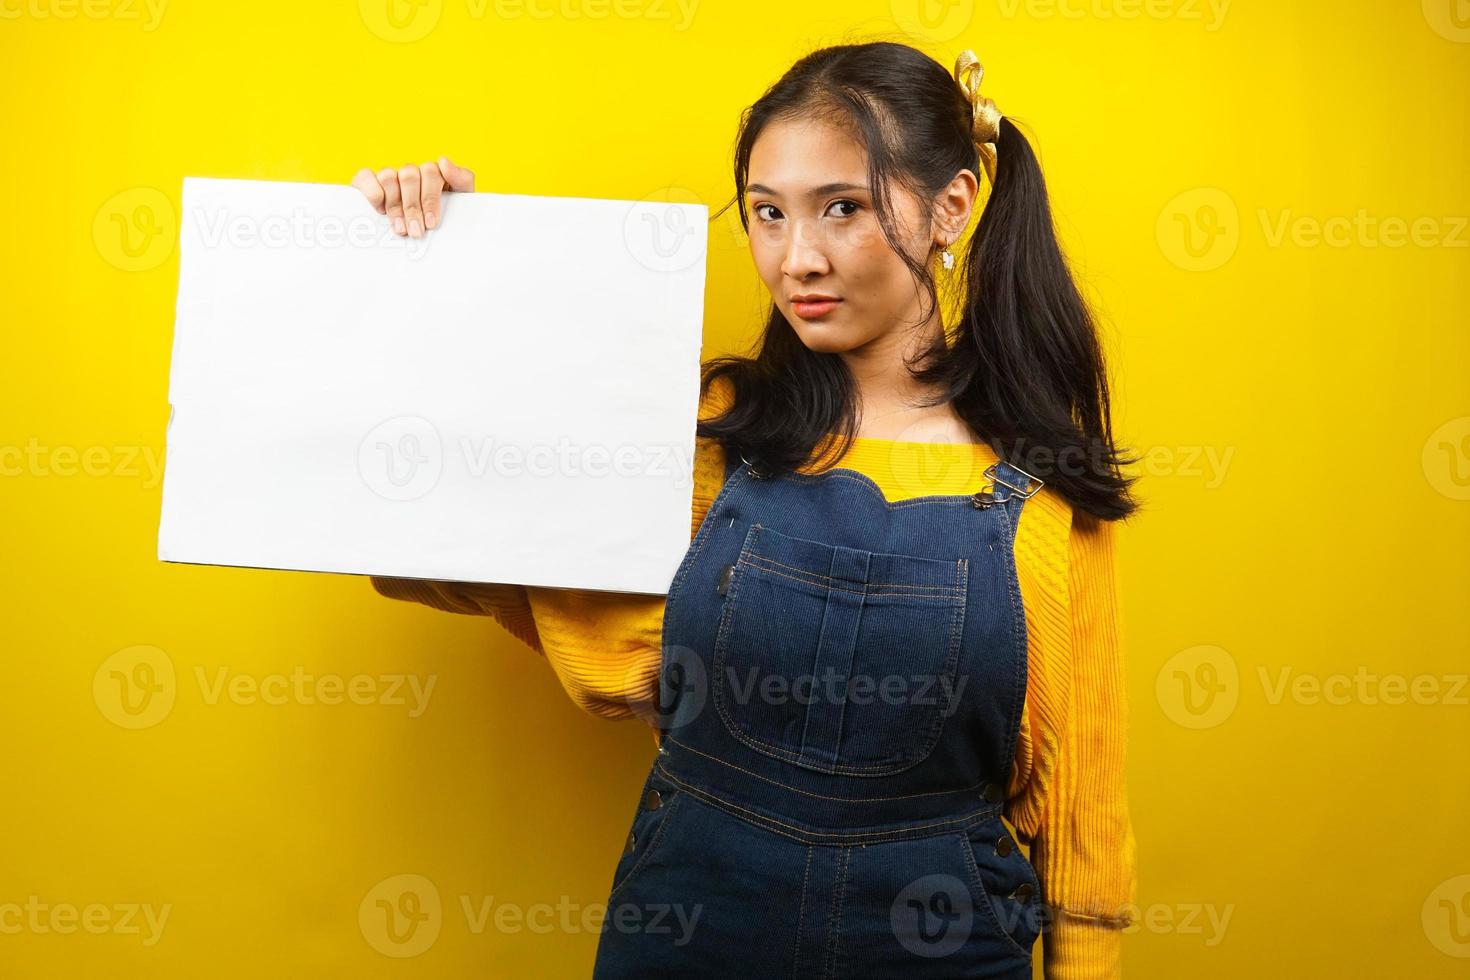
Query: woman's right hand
x,y
412,197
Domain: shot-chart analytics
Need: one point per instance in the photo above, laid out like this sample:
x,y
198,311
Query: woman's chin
x,y
825,339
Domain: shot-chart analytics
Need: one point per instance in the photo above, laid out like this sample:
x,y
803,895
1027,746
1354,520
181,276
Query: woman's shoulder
x,y
1044,542
1065,556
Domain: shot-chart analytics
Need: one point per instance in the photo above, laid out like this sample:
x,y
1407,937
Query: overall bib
x,y
840,697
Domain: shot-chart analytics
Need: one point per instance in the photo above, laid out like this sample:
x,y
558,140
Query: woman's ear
x,y
955,202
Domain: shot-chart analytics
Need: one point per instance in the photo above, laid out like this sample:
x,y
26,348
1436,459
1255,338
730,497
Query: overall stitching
x,y
843,799
942,589
1018,631
949,597
825,582
902,760
839,899
801,914
802,836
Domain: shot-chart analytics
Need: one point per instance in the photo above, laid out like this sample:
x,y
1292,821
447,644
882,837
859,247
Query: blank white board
x,y
511,398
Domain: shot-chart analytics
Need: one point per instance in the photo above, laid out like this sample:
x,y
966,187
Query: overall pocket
x,y
1006,891
838,659
657,804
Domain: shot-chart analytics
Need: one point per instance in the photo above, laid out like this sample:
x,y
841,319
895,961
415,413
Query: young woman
x,y
896,622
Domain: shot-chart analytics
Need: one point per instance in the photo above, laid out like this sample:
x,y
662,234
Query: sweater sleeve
x,y
508,604
1084,851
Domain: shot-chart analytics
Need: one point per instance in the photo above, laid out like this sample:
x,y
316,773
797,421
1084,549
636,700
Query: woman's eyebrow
x,y
814,192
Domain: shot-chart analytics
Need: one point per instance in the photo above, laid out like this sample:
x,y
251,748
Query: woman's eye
x,y
762,215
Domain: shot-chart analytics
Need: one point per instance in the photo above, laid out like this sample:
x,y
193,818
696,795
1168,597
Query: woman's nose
x,y
805,253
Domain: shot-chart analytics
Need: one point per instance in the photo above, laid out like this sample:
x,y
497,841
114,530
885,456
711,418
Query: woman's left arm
x,y
1084,852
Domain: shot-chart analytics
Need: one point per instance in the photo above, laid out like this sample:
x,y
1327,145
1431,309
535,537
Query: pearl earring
x,y
947,258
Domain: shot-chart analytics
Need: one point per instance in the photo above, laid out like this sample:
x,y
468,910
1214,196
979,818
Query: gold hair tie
x,y
984,116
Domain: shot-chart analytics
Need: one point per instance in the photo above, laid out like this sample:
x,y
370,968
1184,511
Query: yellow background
x,y
1304,400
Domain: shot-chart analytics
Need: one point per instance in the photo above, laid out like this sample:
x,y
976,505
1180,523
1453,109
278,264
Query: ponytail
x,y
1025,366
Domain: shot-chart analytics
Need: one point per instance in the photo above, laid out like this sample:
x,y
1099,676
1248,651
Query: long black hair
x,y
1023,364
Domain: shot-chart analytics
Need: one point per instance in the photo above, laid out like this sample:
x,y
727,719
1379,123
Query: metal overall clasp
x,y
756,473
984,498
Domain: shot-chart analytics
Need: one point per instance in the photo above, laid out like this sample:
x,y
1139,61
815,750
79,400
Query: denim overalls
x,y
840,698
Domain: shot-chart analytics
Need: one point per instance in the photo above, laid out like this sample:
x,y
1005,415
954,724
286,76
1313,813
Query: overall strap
x,y
732,461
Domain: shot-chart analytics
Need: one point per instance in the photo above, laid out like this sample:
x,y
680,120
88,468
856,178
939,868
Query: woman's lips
x,y
813,309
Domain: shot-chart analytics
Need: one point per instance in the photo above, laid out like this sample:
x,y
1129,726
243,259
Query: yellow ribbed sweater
x,y
1066,796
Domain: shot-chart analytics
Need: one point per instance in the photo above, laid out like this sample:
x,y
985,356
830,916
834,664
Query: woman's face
x,y
813,230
